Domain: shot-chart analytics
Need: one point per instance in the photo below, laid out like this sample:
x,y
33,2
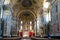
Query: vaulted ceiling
x,y
21,6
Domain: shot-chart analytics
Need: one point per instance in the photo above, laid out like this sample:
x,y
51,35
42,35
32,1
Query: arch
x,y
27,10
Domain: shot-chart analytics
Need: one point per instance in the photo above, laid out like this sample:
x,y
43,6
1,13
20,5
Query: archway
x,y
27,21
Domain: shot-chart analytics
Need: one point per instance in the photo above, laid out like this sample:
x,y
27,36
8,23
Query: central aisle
x,y
26,39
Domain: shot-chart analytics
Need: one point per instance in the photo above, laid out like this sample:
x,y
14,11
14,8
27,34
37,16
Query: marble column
x,y
9,23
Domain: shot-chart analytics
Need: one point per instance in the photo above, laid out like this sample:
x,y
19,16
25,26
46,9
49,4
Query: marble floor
x,y
15,38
